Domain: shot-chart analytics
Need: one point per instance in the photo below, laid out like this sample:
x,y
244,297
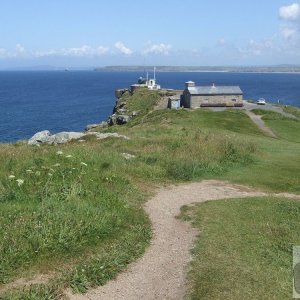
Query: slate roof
x,y
215,90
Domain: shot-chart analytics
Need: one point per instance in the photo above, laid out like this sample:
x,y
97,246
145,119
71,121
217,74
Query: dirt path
x,y
161,272
268,106
21,282
257,119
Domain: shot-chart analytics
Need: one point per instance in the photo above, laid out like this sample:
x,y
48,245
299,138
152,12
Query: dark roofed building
x,y
205,96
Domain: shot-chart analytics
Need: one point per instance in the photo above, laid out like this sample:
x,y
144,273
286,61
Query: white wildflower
x,y
37,173
56,165
68,156
20,181
29,171
59,153
11,177
83,164
50,174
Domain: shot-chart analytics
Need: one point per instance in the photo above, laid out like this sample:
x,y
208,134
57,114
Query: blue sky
x,y
89,33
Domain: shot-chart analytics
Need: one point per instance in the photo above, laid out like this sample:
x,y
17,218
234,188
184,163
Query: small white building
x,y
174,102
152,85
146,83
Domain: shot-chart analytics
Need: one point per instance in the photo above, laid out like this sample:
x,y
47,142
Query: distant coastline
x,y
229,69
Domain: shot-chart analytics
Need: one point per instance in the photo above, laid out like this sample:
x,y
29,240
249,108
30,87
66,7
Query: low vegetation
x,y
60,203
292,110
245,248
142,101
285,128
75,210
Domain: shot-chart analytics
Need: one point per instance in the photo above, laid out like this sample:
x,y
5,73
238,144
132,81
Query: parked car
x,y
261,101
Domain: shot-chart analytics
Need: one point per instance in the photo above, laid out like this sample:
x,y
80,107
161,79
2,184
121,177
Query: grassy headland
x,y
76,209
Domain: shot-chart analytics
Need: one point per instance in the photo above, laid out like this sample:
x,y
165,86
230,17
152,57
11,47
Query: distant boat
x,y
261,101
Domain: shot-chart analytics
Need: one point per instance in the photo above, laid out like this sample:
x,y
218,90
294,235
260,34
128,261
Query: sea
x,y
32,101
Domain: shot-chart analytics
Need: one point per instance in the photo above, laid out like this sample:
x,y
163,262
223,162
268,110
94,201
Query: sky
x,y
92,33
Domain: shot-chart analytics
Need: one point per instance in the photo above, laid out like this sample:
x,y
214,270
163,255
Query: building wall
x,y
194,101
186,99
174,103
134,87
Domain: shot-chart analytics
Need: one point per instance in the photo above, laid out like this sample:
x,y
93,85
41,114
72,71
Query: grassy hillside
x,y
245,248
62,207
76,209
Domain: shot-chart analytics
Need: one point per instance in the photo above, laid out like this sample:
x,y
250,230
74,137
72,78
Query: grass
x,y
76,209
284,128
292,110
141,101
245,248
276,167
277,164
71,201
91,271
180,151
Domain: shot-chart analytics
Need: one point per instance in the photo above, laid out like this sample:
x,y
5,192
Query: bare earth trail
x,y
257,119
161,272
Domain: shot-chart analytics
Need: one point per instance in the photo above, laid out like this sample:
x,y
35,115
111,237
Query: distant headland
x,y
247,69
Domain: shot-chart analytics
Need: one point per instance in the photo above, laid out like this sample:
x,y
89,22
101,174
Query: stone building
x,y
211,96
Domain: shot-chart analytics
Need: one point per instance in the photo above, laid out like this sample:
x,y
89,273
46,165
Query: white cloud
x,y
83,51
258,48
290,12
20,49
3,53
45,53
18,52
288,31
222,42
123,49
157,49
290,27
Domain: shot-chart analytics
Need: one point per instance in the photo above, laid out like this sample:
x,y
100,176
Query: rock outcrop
x,y
120,92
101,136
92,126
45,137
120,115
116,119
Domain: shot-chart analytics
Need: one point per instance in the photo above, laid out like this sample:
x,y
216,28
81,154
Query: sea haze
x,y
68,101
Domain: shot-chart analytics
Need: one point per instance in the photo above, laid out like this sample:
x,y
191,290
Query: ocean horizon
x,y
33,101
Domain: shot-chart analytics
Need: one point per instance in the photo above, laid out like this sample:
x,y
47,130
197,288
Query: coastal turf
x,y
245,247
77,209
